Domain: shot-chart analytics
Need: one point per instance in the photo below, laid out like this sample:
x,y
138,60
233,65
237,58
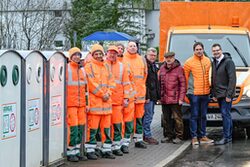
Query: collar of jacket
x,y
109,62
119,58
224,58
97,62
149,62
134,55
198,57
74,64
175,64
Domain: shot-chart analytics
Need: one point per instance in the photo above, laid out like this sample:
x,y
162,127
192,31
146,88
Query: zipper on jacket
x,y
203,77
79,91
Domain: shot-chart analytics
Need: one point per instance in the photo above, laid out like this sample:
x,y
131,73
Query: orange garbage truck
x,y
227,23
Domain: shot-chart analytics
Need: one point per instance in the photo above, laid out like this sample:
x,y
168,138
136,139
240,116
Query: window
x,y
58,43
58,13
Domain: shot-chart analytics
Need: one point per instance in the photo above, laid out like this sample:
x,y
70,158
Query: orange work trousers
x,y
116,130
138,130
76,120
128,124
94,122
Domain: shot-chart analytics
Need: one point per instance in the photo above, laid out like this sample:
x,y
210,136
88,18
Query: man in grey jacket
x,y
223,89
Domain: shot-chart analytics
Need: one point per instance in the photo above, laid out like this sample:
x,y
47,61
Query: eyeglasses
x,y
216,50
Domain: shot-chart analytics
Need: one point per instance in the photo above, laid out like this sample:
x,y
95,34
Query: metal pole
x,y
75,38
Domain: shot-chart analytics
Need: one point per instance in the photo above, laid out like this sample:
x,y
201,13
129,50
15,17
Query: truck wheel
x,y
186,130
248,132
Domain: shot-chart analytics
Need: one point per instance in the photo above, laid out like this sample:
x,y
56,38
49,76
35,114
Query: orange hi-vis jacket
x,y
131,79
121,79
138,67
100,82
196,71
76,85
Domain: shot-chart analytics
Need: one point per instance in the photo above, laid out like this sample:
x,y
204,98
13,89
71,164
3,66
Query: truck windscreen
x,y
182,45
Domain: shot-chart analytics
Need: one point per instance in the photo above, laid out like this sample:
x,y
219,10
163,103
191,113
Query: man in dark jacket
x,y
173,90
223,89
152,95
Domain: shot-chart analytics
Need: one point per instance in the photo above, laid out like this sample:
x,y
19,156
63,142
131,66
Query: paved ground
x,y
154,155
236,154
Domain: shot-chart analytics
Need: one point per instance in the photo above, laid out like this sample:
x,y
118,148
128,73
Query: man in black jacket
x,y
152,95
223,89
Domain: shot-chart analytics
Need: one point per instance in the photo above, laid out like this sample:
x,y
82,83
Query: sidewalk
x,y
154,155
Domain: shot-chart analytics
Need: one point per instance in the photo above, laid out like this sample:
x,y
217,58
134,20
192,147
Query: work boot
x,y
177,140
108,155
140,144
98,152
124,149
117,152
151,140
72,158
82,158
92,156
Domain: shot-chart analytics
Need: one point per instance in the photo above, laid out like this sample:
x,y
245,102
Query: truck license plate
x,y
214,117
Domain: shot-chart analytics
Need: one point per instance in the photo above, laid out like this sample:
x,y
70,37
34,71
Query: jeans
x,y
225,109
147,118
198,119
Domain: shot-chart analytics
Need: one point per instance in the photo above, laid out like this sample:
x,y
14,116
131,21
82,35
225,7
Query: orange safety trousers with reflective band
x,y
138,130
116,120
96,121
128,123
76,106
76,116
103,122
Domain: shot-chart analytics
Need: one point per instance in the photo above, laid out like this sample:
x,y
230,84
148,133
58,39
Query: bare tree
x,y
30,24
7,24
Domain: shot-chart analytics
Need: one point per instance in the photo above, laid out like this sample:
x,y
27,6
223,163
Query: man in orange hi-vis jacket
x,y
76,105
128,112
99,115
120,97
138,67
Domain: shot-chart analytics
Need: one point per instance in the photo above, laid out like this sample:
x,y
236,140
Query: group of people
x,y
106,96
192,81
113,94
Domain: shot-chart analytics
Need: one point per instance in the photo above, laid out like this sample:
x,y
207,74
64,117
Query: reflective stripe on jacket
x,y
76,85
99,82
121,79
138,67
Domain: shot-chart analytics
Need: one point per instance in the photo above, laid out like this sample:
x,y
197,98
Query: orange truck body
x,y
173,14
